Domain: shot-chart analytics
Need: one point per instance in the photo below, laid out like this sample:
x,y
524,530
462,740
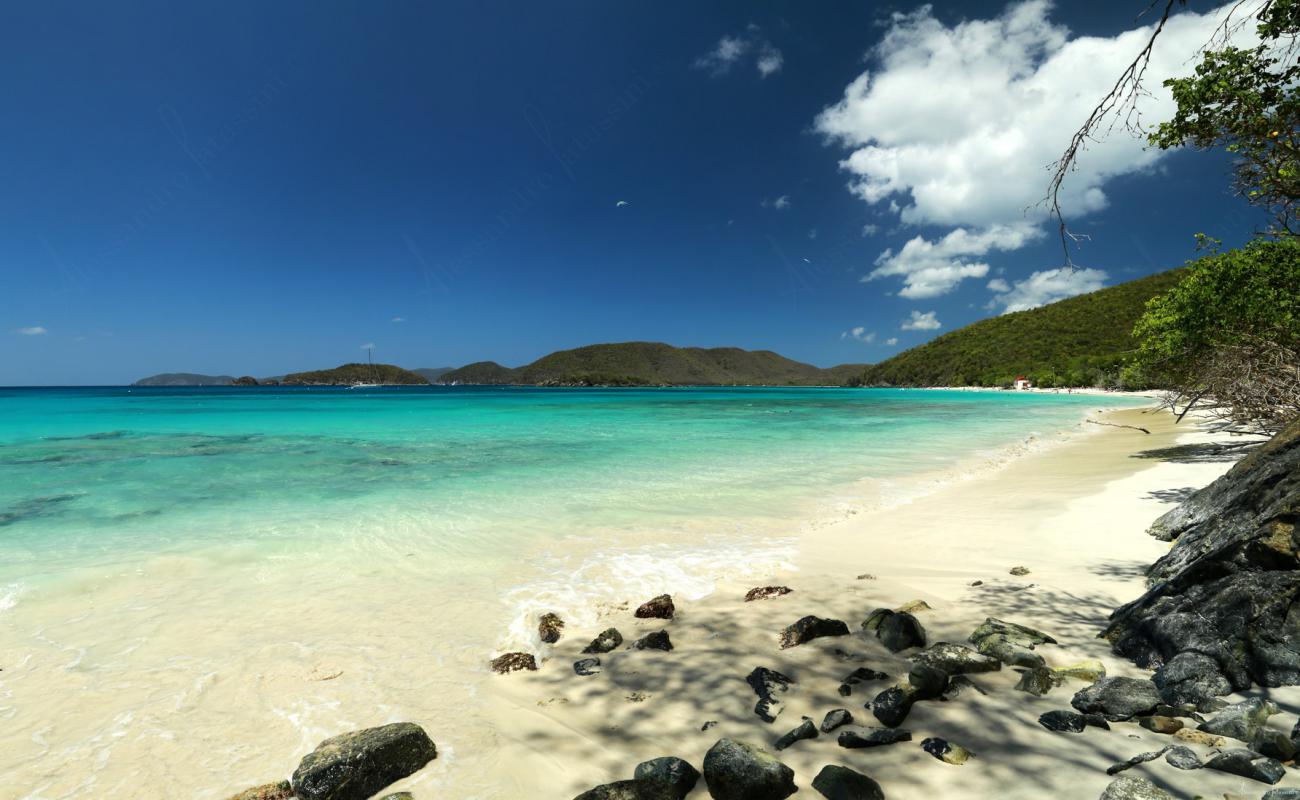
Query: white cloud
x,y
399,319
860,333
368,346
921,322
1046,286
998,285
780,204
812,233
732,50
932,268
35,330
891,341
870,229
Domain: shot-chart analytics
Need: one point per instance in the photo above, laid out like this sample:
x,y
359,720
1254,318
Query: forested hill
x,y
1080,341
656,364
348,374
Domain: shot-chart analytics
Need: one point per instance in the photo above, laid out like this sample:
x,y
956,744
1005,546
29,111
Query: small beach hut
x,y
1023,384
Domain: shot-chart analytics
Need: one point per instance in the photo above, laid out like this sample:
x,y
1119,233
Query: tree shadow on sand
x,y
1200,453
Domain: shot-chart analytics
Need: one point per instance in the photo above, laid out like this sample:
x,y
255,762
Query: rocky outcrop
x,y
954,659
1243,721
1129,788
629,790
658,640
605,641
550,628
1222,611
736,770
1118,699
809,628
806,730
901,630
841,783
872,737
1010,643
768,684
355,766
660,607
676,775
514,662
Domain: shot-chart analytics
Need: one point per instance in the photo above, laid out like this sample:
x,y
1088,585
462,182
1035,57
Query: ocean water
x,y
178,565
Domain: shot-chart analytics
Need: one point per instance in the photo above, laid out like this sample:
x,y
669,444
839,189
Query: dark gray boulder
x,y
946,751
1282,794
1242,721
1128,787
769,685
857,676
1227,590
1182,757
841,783
1248,764
550,628
1118,699
809,628
955,659
587,666
1193,678
959,686
836,718
356,765
860,738
629,790
605,641
872,623
1037,682
678,776
900,631
1063,721
805,730
927,681
735,770
658,640
1140,758
893,705
660,607
1010,643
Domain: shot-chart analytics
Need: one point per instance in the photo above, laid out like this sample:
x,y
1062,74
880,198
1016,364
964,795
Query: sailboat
x,y
370,372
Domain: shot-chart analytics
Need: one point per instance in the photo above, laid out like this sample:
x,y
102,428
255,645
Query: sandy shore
x,y
1074,515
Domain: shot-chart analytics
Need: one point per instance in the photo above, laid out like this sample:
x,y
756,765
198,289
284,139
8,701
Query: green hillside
x,y
656,364
432,374
354,373
185,379
1080,341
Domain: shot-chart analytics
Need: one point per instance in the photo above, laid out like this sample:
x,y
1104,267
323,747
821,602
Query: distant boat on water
x,y
370,373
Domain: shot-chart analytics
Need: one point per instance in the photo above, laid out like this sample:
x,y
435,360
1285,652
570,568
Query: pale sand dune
x,y
1075,515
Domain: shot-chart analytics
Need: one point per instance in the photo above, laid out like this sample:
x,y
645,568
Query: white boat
x,y
370,372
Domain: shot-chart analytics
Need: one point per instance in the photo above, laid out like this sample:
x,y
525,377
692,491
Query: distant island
x,y
1080,341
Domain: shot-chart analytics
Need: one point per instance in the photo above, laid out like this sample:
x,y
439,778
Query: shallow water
x,y
196,585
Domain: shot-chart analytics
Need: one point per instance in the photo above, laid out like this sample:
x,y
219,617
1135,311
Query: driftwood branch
x,y
1115,425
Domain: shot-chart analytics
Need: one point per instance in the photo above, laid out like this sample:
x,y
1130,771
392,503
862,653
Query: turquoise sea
x,y
156,542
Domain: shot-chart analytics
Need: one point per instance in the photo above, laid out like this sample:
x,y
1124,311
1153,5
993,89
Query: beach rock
x,y
768,684
654,641
913,607
676,775
1248,764
660,607
872,623
587,666
1242,721
1274,744
398,796
736,770
836,718
1197,737
1010,643
1227,591
270,791
1090,670
1140,758
959,686
1131,788
1191,678
1282,794
356,765
1019,571
899,631
955,659
1159,724
1037,681
841,783
946,751
605,641
872,737
927,682
893,705
857,676
1118,698
809,628
806,730
1182,757
629,790
550,628
1062,721
764,592
514,662
712,723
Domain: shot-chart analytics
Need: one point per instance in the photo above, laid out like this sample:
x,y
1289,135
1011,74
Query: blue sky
x,y
254,188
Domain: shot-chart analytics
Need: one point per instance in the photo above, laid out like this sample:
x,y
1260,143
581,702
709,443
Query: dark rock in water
x,y
629,790
873,737
513,662
605,641
1191,678
872,623
809,628
1010,643
355,766
859,675
1228,588
946,751
900,631
835,719
1242,721
806,730
736,770
654,641
674,773
1062,721
1037,681
927,682
768,684
550,628
1159,724
1248,764
1130,788
660,607
893,705
1140,758
270,791
764,592
587,666
955,659
959,686
841,783
1182,757
1118,699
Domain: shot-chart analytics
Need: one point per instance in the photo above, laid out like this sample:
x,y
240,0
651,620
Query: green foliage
x,y
1228,299
1245,101
348,374
1080,341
